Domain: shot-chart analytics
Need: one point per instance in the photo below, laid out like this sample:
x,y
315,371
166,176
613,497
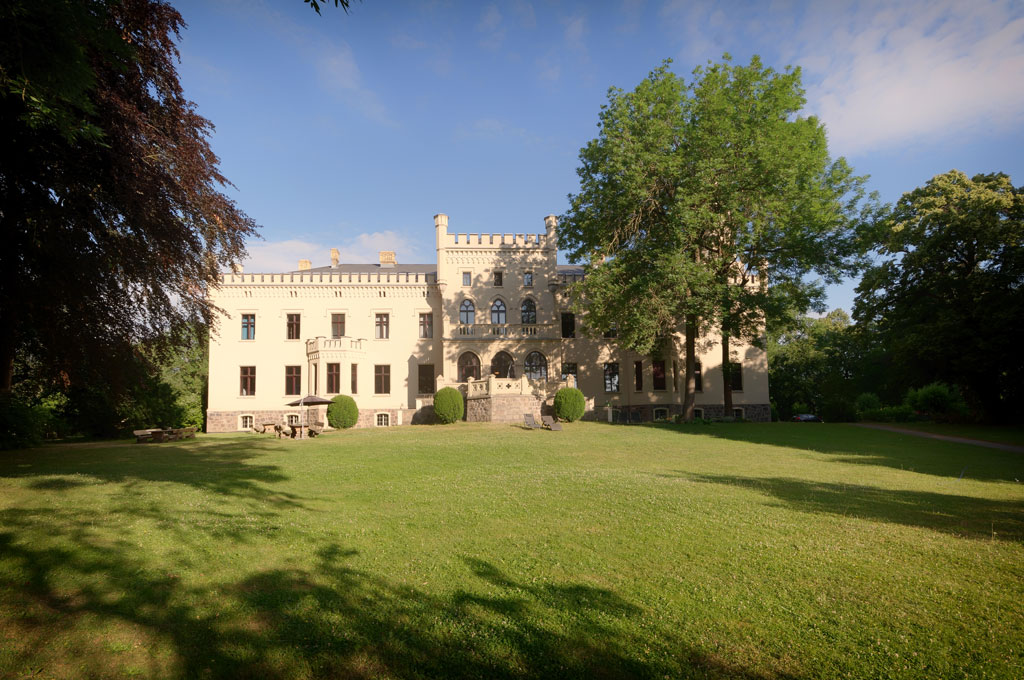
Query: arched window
x,y
503,366
469,367
536,366
529,311
467,312
498,312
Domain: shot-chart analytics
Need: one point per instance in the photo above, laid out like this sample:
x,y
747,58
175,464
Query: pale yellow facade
x,y
406,327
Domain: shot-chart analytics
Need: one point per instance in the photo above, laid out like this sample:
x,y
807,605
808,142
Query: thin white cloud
x,y
404,41
931,70
491,26
493,128
524,13
575,28
283,256
339,73
881,75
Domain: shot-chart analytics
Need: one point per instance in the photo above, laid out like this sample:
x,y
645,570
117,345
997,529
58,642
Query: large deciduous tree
x,y
111,201
947,296
707,204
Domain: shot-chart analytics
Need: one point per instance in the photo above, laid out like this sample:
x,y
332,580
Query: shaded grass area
x,y
479,551
1000,434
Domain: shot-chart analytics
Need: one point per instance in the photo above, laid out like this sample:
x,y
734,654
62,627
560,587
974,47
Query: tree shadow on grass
x,y
216,466
328,620
862,446
963,516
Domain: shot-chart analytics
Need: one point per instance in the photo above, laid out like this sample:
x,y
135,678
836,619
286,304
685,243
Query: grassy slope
x,y
787,550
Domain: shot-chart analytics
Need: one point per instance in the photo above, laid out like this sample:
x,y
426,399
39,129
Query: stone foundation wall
x,y
228,421
505,408
644,413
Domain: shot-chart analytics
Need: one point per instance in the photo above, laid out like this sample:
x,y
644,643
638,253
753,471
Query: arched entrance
x,y
469,367
503,366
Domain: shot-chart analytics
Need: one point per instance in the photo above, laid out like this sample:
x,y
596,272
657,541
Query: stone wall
x,y
644,413
505,408
228,421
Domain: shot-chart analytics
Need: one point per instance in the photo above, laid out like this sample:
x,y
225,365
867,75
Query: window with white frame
x,y
383,420
247,422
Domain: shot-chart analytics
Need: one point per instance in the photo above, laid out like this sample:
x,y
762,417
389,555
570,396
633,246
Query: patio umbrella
x,y
307,401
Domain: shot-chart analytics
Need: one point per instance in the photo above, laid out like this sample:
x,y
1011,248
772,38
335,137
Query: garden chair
x,y
530,422
552,424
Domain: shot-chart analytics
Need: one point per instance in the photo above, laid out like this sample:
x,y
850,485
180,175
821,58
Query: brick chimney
x,y
305,265
334,257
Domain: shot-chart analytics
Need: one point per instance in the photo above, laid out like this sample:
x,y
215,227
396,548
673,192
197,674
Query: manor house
x,y
491,317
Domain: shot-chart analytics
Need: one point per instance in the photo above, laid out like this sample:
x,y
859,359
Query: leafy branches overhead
x,y
110,196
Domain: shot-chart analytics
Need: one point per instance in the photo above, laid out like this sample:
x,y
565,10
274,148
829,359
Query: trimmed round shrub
x,y
569,404
342,412
448,405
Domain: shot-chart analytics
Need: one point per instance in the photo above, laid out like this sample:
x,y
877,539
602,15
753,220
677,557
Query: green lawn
x,y
486,551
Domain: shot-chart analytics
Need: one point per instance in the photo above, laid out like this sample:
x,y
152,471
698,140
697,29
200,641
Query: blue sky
x,y
352,131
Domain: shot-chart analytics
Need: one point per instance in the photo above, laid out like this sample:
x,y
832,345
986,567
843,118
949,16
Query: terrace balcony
x,y
501,331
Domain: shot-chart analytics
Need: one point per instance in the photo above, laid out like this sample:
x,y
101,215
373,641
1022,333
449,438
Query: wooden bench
x,y
143,436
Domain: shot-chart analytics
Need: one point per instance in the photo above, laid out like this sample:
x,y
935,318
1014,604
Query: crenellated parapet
x,y
310,278
546,241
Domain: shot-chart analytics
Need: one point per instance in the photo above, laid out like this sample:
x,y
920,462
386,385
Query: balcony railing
x,y
336,344
506,330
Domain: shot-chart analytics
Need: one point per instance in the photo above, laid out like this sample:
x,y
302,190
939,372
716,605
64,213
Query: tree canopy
x,y
111,199
708,203
947,295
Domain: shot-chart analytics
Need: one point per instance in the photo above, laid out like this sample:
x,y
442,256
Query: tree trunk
x,y
726,374
690,379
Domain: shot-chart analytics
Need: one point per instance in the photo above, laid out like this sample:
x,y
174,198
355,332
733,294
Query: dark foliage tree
x,y
824,364
706,205
947,297
111,200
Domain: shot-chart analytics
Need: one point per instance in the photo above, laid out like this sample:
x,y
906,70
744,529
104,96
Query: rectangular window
x,y
426,325
292,379
737,413
293,419
638,376
611,377
567,370
736,376
698,414
333,378
498,278
248,327
426,379
698,377
467,279
355,378
658,374
381,379
383,420
382,327
337,325
248,379
527,279
246,422
294,329
612,332
568,325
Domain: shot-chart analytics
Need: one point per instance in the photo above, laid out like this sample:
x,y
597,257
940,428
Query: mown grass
x,y
488,551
